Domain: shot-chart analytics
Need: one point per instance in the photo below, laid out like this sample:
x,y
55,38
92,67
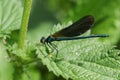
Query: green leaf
x,y
82,59
6,68
10,15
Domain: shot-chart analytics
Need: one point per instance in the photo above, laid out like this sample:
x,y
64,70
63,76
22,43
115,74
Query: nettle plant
x,y
88,59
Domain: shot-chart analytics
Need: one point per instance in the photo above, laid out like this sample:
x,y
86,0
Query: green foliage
x,y
10,16
88,59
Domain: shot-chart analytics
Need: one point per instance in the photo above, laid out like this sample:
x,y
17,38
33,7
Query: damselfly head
x,y
42,40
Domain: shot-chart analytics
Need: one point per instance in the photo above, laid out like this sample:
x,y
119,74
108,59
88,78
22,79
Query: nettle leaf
x,y
82,59
10,15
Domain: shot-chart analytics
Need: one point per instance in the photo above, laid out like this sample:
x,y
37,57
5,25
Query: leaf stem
x,y
24,23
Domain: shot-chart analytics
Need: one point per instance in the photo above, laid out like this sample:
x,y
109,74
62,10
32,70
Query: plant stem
x,y
24,23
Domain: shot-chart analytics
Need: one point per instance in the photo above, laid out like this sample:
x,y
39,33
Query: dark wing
x,y
76,28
